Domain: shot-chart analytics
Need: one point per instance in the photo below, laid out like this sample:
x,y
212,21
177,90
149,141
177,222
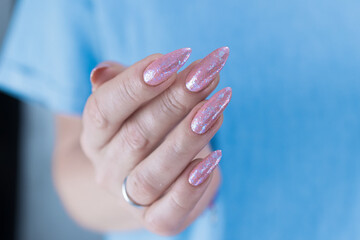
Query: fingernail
x,y
97,70
96,75
203,74
204,168
162,68
210,111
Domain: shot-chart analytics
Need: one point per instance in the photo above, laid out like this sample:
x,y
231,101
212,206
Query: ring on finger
x,y
127,198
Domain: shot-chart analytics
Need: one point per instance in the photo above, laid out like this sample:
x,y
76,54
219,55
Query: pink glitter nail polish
x,y
202,75
162,68
204,168
210,111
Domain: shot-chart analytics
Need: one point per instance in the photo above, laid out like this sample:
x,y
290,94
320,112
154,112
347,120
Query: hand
x,y
144,122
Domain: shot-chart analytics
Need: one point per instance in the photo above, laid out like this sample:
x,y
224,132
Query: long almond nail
x,y
162,68
205,71
210,111
204,168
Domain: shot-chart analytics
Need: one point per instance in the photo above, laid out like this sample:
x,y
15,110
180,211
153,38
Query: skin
x,y
129,128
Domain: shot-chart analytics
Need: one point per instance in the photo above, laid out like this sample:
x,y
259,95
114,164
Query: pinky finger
x,y
168,215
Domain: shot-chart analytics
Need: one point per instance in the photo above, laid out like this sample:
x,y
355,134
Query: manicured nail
x,y
205,71
204,168
210,111
162,68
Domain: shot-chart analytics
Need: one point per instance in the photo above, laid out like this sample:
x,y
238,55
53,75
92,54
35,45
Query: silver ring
x,y
127,198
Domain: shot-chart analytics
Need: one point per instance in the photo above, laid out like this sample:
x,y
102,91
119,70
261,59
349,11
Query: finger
x,y
151,177
143,131
119,97
167,215
206,200
103,72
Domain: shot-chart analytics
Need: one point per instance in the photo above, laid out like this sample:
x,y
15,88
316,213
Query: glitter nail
x,y
162,68
204,168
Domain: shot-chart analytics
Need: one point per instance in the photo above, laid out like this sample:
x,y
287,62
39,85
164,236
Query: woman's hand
x,y
148,123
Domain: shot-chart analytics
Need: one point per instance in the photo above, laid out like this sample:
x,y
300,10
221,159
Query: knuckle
x,y
93,112
177,205
172,104
161,226
89,149
143,185
135,137
127,90
179,147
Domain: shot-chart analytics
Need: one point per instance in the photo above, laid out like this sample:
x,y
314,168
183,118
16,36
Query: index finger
x,y
118,98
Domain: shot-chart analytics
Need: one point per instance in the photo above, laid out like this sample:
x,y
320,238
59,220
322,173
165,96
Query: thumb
x,y
103,72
